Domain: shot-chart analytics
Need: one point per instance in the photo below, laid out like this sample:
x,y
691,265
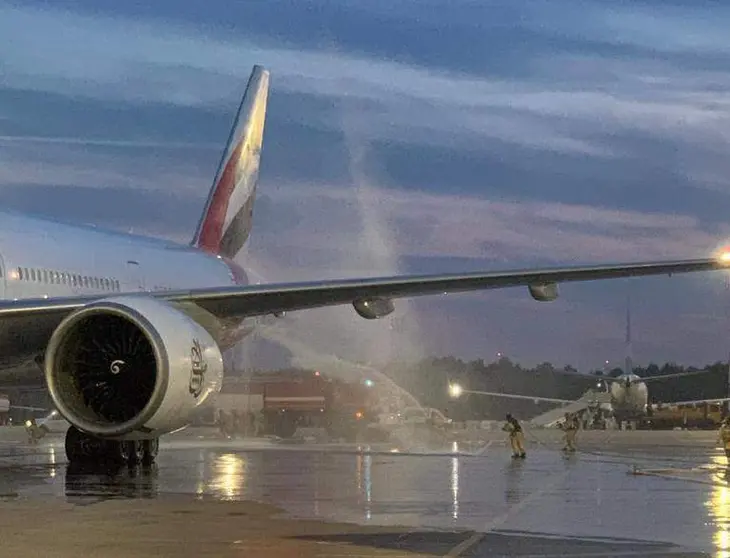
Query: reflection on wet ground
x,y
547,505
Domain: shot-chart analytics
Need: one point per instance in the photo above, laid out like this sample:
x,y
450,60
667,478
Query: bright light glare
x,y
723,255
455,390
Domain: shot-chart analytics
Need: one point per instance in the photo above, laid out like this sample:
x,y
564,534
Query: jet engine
x,y
131,367
544,292
373,308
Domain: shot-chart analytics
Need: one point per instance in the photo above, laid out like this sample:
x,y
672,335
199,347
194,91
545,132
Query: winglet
x,y
226,222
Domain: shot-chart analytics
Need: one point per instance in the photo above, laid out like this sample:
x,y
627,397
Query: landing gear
x,y
150,448
84,448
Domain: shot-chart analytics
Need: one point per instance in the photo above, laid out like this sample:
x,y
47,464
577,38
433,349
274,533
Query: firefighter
x,y
225,424
516,437
238,424
570,427
35,432
724,437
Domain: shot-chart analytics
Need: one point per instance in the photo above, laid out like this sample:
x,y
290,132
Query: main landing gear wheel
x,y
150,449
84,448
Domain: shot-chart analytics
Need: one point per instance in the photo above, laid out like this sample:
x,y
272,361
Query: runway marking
x,y
472,541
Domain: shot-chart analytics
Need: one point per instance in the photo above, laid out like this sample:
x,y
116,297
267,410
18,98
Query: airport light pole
x,y
727,316
455,391
727,403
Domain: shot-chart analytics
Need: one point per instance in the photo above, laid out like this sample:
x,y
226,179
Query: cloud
x,y
429,225
140,211
132,60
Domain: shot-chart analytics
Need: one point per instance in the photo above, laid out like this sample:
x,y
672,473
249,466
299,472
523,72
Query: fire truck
x,y
292,399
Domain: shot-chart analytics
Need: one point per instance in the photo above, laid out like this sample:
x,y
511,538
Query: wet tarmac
x,y
625,494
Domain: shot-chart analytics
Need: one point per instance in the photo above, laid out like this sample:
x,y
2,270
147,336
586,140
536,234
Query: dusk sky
x,y
403,137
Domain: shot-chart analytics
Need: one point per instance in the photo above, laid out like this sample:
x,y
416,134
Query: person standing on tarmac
x,y
516,437
570,427
724,437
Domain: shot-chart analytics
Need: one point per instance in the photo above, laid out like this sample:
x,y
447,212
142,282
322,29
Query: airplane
x,y
628,393
129,332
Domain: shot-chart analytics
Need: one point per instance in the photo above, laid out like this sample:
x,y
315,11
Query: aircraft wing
x,y
695,402
527,397
265,299
647,379
256,300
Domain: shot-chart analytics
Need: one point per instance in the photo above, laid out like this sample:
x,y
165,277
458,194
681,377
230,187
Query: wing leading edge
x,y
257,300
265,299
648,379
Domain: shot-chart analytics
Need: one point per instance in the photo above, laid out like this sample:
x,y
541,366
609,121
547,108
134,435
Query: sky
x,y
403,136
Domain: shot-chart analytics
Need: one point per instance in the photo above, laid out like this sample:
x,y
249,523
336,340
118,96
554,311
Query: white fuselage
x,y
41,258
629,400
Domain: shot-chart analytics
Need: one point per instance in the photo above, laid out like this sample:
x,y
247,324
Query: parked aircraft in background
x,y
628,394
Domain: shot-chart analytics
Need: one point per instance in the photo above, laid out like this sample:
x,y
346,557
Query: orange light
x,y
358,415
723,255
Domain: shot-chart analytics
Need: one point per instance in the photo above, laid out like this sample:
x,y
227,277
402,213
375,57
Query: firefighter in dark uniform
x,y
516,437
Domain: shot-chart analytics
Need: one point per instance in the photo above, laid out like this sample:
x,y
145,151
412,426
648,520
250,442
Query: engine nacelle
x,y
131,367
373,308
544,292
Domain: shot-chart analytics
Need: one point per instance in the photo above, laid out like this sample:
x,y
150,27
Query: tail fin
x,y
226,222
628,365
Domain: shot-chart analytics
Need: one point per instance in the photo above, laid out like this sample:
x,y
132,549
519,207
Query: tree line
x,y
428,380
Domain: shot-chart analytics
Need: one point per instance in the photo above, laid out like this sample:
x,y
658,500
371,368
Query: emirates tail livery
x,y
130,330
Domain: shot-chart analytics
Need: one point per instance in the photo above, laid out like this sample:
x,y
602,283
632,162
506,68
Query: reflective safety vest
x,y
512,427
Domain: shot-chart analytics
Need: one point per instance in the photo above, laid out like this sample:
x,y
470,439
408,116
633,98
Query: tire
x,y
150,449
132,452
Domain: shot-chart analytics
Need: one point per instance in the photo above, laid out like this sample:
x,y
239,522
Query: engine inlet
x,y
105,369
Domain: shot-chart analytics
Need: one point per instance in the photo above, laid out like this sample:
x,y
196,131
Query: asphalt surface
x,y
623,494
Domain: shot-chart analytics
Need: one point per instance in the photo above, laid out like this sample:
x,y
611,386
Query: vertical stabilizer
x,y
227,218
628,364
